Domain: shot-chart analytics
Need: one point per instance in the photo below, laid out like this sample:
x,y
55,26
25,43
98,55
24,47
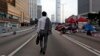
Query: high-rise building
x,y
39,9
33,9
95,5
3,6
83,6
52,18
7,19
38,2
58,12
88,6
17,12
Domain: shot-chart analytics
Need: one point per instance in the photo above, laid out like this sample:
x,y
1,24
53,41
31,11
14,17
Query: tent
x,y
82,19
70,20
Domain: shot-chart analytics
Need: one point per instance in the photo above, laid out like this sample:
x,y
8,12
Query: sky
x,y
69,7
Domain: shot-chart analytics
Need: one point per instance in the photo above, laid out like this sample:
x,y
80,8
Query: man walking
x,y
44,28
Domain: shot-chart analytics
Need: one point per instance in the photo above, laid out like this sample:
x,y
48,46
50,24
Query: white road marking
x,y
89,48
95,51
15,51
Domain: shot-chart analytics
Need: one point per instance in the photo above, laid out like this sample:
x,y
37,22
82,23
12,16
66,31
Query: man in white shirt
x,y
44,26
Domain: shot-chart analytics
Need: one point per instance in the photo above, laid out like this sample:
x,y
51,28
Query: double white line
x,y
94,51
89,48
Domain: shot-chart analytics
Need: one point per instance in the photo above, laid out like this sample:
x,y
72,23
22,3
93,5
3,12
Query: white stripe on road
x,y
94,51
15,51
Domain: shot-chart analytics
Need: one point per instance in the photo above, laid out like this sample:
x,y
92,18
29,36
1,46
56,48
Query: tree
x,y
92,17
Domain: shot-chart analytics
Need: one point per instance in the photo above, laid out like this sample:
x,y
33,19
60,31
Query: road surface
x,y
58,45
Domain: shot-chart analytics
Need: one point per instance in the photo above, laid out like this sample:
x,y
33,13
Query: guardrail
x,y
9,33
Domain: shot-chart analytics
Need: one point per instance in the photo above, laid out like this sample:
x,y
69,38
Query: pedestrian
x,y
88,28
36,22
43,29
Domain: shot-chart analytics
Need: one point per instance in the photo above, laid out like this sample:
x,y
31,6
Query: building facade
x,y
15,12
3,6
39,11
83,6
5,17
21,10
52,18
58,11
95,5
33,9
88,6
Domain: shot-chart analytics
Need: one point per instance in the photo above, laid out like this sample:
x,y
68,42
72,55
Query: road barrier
x,y
9,33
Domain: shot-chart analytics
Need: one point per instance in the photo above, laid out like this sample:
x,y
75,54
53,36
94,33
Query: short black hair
x,y
44,13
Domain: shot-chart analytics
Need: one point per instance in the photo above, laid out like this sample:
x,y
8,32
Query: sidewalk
x,y
96,36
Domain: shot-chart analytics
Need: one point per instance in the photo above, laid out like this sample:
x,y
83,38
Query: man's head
x,y
44,13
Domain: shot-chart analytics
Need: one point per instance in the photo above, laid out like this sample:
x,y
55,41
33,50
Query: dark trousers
x,y
89,33
43,40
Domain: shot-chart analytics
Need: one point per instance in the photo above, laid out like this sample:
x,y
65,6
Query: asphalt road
x,y
23,44
61,45
88,41
9,43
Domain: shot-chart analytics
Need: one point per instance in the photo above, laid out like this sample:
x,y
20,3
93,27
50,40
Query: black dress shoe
x,y
43,53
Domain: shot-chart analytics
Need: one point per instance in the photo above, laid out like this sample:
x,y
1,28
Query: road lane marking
x,y
94,51
97,52
83,45
16,50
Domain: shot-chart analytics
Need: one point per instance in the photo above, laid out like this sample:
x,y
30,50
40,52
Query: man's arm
x,y
50,25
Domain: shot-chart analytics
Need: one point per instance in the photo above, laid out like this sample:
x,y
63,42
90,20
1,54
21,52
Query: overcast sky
x,y
70,7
